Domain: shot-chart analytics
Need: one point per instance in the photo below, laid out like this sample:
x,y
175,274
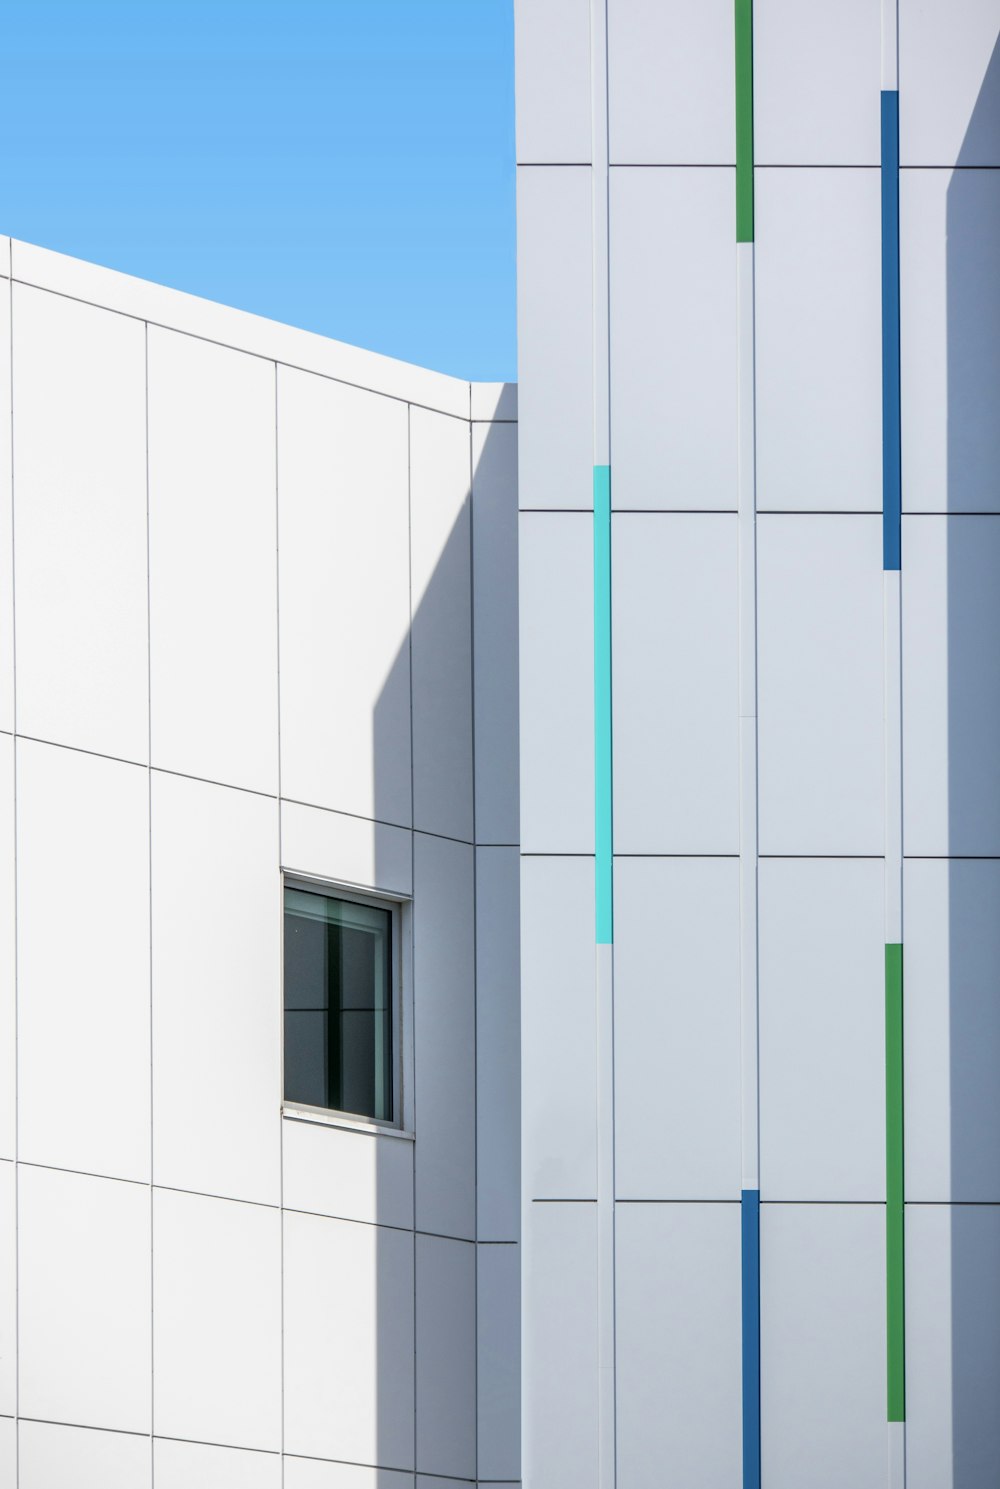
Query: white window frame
x,y
401,1004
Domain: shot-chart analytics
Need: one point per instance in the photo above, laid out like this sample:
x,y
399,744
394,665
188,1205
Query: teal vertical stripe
x,y
604,907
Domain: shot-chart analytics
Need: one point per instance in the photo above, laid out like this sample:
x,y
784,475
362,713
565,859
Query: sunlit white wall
x,y
265,593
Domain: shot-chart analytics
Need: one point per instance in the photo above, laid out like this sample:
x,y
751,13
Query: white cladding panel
x,y
816,82
347,1174
49,1454
216,944
441,623
559,1365
8,1449
557,682
83,1300
670,82
83,962
552,70
354,1284
444,1036
346,850
213,611
8,964
951,689
6,520
822,1298
311,1473
80,525
498,1044
498,1304
678,1343
677,1029
558,1014
673,339
949,110
343,547
950,347
952,1345
951,935
216,1320
822,1023
819,633
8,1290
818,341
555,338
446,1356
495,601
675,663
189,1465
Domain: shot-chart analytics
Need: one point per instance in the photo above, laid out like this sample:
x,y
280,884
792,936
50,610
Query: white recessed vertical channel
x,y
747,520
894,867
604,951
893,760
893,721
599,174
890,45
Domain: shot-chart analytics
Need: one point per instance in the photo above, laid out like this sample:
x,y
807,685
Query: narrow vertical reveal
x,y
750,1252
890,44
603,841
895,1372
893,724
895,1191
606,1330
749,1038
747,528
603,872
747,549
744,121
604,979
891,494
749,1041
892,655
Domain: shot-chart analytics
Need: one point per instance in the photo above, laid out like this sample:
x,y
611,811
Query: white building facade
x,y
500,906
759,323
265,590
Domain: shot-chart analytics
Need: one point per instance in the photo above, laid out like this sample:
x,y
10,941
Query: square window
x,y
338,978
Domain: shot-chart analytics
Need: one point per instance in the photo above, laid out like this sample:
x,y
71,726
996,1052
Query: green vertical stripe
x,y
744,121
895,1326
602,705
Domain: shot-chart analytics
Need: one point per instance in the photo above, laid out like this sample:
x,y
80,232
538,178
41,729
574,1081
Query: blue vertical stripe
x,y
602,706
891,489
750,1238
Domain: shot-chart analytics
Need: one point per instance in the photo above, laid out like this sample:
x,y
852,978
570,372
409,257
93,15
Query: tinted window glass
x,y
338,1005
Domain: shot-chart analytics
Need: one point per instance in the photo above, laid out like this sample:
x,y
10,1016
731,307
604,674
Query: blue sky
x,y
345,165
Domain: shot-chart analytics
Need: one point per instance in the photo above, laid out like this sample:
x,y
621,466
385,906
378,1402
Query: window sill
x,y
323,1118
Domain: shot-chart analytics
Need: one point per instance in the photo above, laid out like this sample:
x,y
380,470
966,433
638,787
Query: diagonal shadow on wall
x,y
455,1387
972,575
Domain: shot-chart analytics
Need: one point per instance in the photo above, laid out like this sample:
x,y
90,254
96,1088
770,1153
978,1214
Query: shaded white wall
x,y
265,619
